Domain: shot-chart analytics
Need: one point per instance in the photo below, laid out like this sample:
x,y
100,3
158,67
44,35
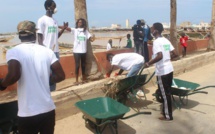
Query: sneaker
x,y
164,119
140,93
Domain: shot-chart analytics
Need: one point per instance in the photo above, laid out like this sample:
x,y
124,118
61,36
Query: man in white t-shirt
x,y
162,52
31,65
48,30
125,61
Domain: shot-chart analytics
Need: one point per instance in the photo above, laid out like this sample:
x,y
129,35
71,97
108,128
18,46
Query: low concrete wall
x,y
68,63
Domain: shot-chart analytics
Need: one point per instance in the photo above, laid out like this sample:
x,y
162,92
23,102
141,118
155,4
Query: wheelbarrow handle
x,y
135,115
205,87
203,92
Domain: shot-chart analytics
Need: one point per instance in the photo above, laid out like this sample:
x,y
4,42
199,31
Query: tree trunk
x,y
211,44
173,27
92,71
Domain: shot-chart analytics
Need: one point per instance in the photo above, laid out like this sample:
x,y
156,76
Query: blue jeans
x,y
138,45
135,69
53,86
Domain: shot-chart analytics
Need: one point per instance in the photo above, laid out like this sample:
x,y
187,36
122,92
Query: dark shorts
x,y
42,123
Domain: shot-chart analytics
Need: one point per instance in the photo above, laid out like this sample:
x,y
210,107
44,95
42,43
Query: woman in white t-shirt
x,y
81,36
109,45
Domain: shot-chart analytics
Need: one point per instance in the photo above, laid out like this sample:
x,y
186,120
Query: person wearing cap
x,y
30,65
147,36
138,35
48,30
163,51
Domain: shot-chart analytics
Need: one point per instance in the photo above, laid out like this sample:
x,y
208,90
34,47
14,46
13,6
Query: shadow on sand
x,y
122,128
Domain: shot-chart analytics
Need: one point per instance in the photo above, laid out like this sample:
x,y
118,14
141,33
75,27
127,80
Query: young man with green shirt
x,y
129,42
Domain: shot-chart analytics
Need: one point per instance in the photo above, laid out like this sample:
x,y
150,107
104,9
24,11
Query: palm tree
x,y
92,71
173,27
211,44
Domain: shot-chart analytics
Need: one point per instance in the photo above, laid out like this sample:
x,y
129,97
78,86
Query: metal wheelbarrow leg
x,y
129,85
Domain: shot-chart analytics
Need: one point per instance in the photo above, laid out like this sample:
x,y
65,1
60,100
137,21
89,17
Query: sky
x,y
103,13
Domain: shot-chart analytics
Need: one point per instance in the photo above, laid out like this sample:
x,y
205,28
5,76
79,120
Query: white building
x,y
113,26
166,25
127,25
201,26
204,24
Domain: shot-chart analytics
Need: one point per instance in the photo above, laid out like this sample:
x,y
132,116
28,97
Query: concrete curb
x,y
66,98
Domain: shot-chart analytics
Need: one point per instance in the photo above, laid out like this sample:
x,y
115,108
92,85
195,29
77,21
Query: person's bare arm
x,y
120,71
13,75
173,54
92,38
68,28
65,26
156,59
40,38
58,72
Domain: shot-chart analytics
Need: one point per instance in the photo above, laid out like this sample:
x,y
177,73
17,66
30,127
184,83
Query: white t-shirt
x,y
108,46
80,40
164,66
126,60
33,86
48,27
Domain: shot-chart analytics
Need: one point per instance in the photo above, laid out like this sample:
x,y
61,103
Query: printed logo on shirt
x,y
81,38
52,29
166,47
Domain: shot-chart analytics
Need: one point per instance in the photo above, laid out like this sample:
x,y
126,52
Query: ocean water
x,y
101,38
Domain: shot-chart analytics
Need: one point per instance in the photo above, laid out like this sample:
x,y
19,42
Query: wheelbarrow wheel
x,y
122,98
90,124
158,96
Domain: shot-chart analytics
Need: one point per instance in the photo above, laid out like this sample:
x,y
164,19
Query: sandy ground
x,y
198,117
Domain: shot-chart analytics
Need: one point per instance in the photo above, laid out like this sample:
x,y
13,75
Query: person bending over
x,y
131,62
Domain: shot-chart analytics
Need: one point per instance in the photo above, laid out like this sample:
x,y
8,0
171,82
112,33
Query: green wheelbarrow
x,y
182,89
8,118
101,112
127,87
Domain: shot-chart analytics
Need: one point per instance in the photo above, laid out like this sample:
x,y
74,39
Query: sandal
x,y
76,83
84,81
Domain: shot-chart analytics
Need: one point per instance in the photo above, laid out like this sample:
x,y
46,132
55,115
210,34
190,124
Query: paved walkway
x,y
198,117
